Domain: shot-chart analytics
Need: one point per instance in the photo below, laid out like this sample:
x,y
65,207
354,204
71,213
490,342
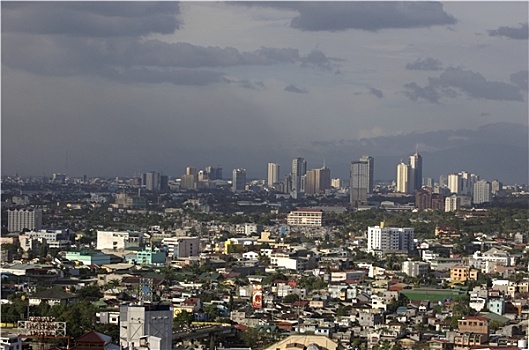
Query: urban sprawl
x,y
301,261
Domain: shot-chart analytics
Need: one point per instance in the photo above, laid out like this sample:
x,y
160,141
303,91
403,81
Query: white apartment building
x,y
487,261
380,238
415,268
482,192
118,240
57,239
30,219
305,217
452,203
181,247
248,228
151,320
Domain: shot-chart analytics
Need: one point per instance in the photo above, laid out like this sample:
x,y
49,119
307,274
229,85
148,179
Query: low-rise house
x,y
53,296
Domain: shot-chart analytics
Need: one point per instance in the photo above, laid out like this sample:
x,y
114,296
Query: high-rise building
x,y
496,186
380,238
152,181
273,174
452,203
415,179
18,220
214,173
238,180
455,183
299,168
359,182
336,183
482,192
317,180
370,170
403,177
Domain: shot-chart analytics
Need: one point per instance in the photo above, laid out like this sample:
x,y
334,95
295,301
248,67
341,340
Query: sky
x,y
121,88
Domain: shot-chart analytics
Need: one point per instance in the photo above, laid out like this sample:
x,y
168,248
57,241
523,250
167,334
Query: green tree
x,y
183,318
290,298
460,309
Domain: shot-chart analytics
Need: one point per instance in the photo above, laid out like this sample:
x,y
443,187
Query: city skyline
x,y
115,88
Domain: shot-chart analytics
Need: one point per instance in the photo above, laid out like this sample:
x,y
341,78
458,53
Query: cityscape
x,y
299,175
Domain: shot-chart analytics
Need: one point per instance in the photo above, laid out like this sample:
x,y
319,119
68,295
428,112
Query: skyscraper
x,y
238,180
482,192
30,219
403,177
299,168
317,180
370,170
359,182
273,174
415,179
152,181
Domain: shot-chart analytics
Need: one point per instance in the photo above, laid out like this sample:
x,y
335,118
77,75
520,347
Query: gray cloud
x,y
425,64
520,33
376,92
520,79
107,39
91,19
293,88
365,15
455,81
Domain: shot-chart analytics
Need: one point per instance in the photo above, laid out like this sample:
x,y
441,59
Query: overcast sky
x,y
118,88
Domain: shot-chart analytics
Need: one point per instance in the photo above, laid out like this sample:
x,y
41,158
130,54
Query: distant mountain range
x,y
493,151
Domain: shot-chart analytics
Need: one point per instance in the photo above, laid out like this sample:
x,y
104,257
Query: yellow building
x,y
461,274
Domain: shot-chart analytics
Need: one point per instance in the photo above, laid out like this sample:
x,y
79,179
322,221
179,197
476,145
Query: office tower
x,y
18,220
287,184
214,173
192,171
359,182
482,192
152,181
273,174
164,183
380,238
415,180
428,182
455,183
187,182
238,180
403,177
202,175
146,326
317,180
299,168
370,170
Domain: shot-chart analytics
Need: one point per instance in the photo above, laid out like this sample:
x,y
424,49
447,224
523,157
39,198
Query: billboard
x,y
257,296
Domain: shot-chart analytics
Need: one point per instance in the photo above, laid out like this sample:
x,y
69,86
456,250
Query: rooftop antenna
x,y
417,148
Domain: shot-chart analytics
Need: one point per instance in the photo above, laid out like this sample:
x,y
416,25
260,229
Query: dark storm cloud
x,y
91,19
425,64
521,33
376,92
113,58
295,89
363,15
520,79
456,81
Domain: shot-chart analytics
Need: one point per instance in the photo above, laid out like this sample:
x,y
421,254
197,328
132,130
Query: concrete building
x,y
403,178
305,217
317,181
461,274
482,192
181,247
139,321
273,174
415,172
214,173
56,239
238,180
299,169
455,183
361,180
380,238
152,181
89,257
415,268
118,240
18,220
452,203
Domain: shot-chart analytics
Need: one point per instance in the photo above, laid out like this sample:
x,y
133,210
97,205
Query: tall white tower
x,y
403,177
273,174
